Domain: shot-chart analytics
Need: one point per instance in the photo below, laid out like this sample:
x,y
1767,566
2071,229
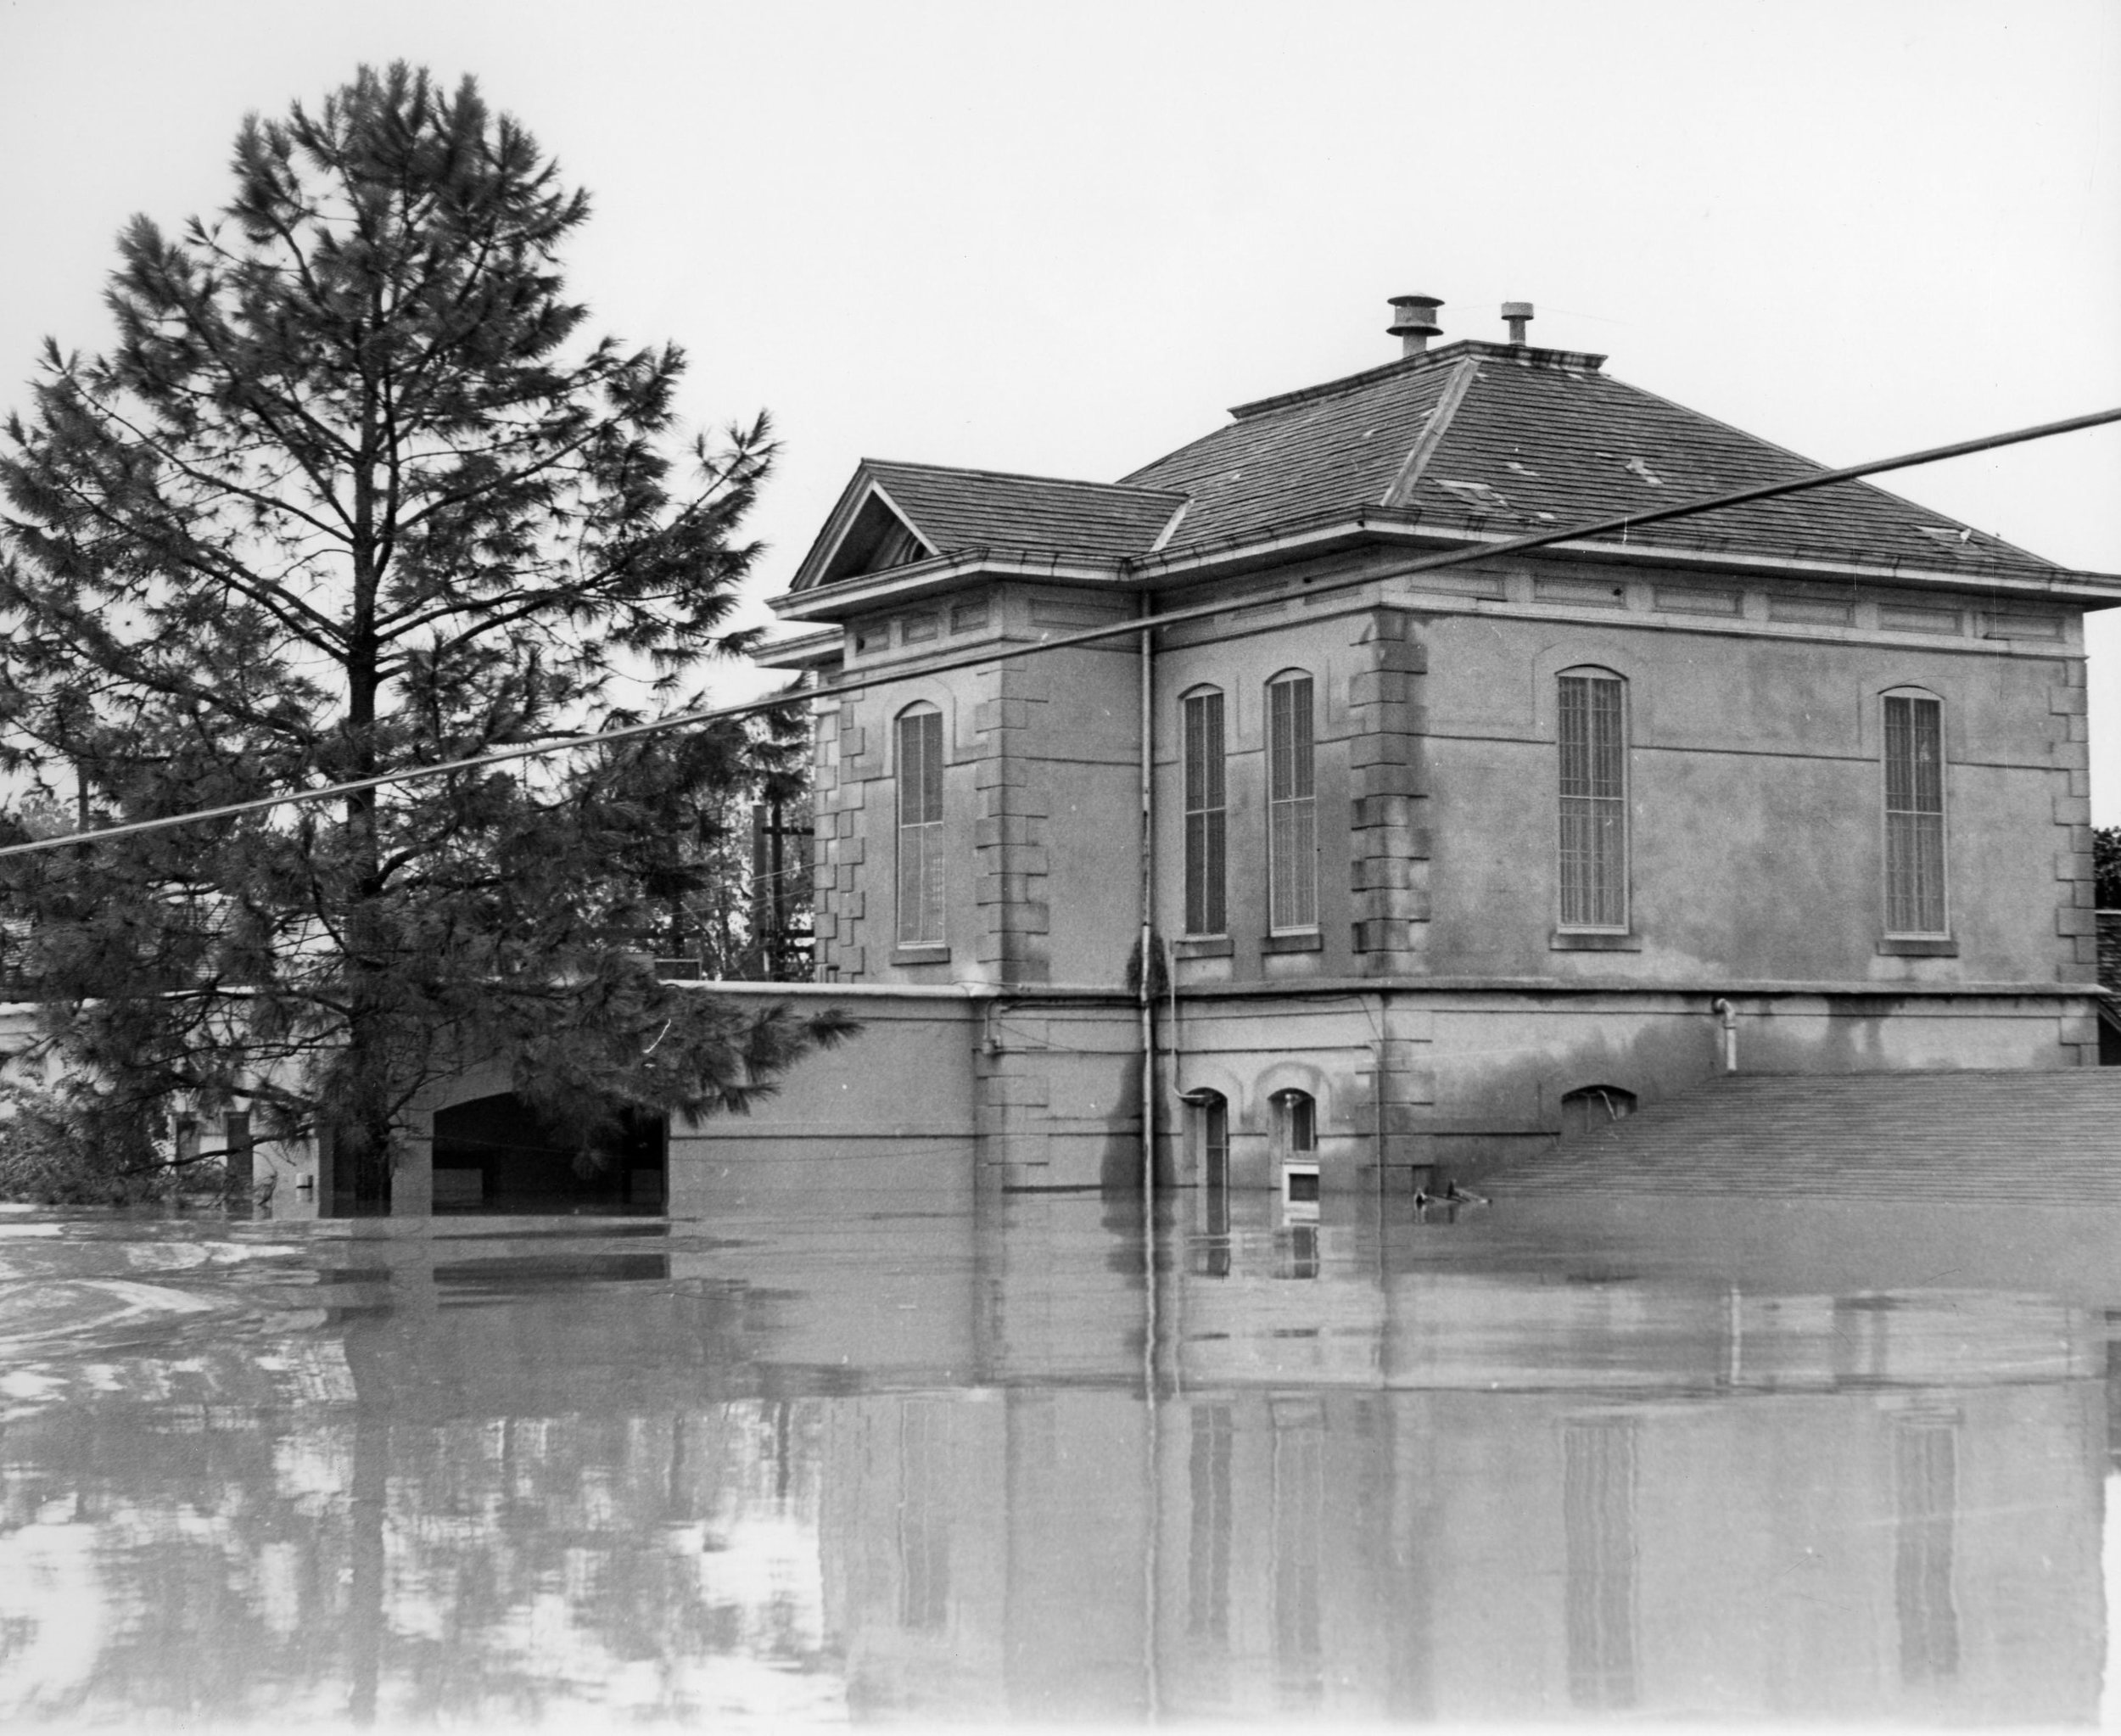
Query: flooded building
x,y
1449,842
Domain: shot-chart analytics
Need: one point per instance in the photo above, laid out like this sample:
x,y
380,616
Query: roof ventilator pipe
x,y
1414,322
1729,1014
1517,315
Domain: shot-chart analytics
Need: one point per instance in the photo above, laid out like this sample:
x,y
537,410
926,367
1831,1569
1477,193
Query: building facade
x,y
1467,808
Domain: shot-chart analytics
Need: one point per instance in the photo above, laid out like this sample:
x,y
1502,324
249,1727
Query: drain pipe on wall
x,y
1145,994
1729,1014
1145,988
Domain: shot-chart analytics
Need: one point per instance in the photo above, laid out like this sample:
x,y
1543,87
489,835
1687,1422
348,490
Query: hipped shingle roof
x,y
1473,436
1518,439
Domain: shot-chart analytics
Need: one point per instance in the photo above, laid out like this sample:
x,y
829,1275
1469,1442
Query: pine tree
x,y
354,493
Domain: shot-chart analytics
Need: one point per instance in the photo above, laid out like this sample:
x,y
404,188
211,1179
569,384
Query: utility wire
x,y
1117,629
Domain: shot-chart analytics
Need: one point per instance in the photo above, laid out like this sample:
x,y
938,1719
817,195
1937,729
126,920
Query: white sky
x,y
1062,238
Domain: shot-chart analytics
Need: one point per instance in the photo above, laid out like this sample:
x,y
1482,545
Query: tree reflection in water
x,y
890,1464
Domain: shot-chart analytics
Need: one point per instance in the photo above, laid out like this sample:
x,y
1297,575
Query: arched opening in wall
x,y
1207,1127
1208,1121
496,1155
1296,1147
1589,1107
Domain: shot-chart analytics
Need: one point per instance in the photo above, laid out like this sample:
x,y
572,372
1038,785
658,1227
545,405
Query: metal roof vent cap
x,y
1414,322
1518,315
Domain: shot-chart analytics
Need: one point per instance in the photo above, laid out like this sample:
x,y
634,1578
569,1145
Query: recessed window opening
x,y
1297,1121
1592,733
920,790
1297,1137
1292,816
1208,1117
1211,1114
1589,1107
1914,815
1206,813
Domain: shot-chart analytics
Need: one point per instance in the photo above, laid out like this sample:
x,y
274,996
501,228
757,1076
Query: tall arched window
x,y
1202,725
1915,815
920,784
1292,806
1592,716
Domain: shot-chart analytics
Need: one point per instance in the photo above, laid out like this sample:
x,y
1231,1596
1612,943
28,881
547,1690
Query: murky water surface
x,y
1555,1460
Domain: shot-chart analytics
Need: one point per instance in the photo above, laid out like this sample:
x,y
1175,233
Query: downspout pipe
x,y
1729,1015
1146,992
1145,989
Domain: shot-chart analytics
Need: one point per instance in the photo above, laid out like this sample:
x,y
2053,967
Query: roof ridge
x,y
1459,349
1019,476
1434,426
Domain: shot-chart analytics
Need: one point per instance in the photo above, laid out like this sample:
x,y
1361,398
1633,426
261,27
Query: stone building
x,y
1454,843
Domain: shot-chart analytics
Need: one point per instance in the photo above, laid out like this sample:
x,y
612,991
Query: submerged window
x,y
1208,1126
1913,815
1589,1107
920,780
1299,1122
1205,812
1212,1123
1593,735
1292,816
1296,1137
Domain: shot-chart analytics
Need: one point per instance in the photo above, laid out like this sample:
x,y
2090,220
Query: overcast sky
x,y
1061,238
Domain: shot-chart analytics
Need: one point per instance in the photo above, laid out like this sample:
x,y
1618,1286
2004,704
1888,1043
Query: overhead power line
x,y
686,719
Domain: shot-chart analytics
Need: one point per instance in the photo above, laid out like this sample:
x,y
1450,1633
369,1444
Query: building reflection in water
x,y
900,1467
1926,1496
1597,1503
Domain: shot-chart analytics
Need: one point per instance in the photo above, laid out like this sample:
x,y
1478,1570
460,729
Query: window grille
x,y
1205,805
920,781
1292,808
1914,815
1593,734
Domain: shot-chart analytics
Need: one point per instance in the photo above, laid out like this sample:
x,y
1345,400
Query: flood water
x,y
1555,1460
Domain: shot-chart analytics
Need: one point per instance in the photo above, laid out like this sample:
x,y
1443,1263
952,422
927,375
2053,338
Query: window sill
x,y
1312,941
1203,946
920,955
1908,946
1591,940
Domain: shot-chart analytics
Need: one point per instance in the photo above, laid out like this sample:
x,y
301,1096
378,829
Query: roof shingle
x,y
965,509
1529,438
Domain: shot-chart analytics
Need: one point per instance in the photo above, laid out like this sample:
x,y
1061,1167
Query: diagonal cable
x,y
1542,539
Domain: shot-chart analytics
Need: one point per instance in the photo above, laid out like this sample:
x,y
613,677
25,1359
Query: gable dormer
x,y
898,515
869,532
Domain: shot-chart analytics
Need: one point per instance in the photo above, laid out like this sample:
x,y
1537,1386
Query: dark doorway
x,y
494,1154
